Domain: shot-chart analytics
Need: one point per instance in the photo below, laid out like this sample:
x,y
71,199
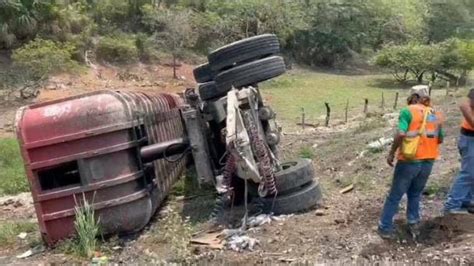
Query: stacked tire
x,y
239,64
246,63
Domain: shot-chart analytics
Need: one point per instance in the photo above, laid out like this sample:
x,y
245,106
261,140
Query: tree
x,y
173,30
451,60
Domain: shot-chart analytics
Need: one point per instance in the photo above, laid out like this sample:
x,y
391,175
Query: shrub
x,y
117,49
43,57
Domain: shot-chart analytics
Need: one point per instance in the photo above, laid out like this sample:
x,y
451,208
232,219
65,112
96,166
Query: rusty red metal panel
x,y
89,145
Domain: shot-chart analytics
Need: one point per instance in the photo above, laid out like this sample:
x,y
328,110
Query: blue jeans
x,y
409,178
463,187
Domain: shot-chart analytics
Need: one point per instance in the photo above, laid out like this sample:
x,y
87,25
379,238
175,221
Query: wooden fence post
x,y
347,110
302,118
366,106
328,114
396,101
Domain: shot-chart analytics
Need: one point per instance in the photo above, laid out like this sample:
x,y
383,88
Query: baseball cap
x,y
421,91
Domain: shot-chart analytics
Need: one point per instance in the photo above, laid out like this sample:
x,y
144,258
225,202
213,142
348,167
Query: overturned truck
x,y
123,151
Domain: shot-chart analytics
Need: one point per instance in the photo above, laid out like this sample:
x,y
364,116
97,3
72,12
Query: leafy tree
x,y
173,30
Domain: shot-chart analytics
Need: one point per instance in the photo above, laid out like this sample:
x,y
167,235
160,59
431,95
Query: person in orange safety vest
x,y
411,174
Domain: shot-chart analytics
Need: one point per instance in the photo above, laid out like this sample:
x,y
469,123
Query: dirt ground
x,y
341,230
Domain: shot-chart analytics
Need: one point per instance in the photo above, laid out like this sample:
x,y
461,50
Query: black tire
x,y
294,174
303,199
203,73
208,91
244,51
250,73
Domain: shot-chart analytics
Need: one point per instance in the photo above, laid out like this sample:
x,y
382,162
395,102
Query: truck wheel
x,y
203,73
303,199
250,73
208,91
294,174
244,51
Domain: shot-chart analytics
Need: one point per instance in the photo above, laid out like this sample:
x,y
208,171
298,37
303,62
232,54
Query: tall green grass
x,y
12,173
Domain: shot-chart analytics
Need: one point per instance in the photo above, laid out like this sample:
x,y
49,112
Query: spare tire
x,y
203,73
243,51
294,174
303,199
208,91
250,73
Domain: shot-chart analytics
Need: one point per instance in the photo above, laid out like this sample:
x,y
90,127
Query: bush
x,y
43,57
117,49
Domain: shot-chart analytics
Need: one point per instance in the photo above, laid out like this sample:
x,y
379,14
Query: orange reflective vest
x,y
466,125
428,148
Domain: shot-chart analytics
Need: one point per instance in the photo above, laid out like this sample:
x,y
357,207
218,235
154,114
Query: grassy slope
x,y
12,173
309,90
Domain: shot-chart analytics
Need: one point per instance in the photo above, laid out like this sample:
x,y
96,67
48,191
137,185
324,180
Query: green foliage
x,y
87,229
117,49
307,152
314,32
12,173
444,59
178,233
43,57
9,231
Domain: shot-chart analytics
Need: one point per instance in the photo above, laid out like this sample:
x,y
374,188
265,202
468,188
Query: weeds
x,y
10,230
306,152
178,233
12,173
87,229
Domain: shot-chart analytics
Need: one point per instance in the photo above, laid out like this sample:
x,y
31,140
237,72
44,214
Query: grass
x,y
12,173
9,231
309,90
307,152
87,228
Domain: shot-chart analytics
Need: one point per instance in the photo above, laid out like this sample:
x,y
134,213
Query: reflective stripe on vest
x,y
466,125
428,148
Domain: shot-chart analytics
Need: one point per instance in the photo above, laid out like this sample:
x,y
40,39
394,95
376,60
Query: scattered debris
x,y
380,144
347,189
22,235
262,219
31,252
240,242
362,154
103,260
210,240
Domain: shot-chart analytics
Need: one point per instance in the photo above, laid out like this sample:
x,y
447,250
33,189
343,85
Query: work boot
x,y
388,235
456,212
470,208
414,230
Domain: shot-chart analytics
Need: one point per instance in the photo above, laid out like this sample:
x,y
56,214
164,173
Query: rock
x,y
17,204
319,212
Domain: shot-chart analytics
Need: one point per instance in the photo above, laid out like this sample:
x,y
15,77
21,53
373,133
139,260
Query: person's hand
x,y
390,159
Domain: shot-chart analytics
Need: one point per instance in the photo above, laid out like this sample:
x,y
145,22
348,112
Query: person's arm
x,y
397,142
403,124
466,111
